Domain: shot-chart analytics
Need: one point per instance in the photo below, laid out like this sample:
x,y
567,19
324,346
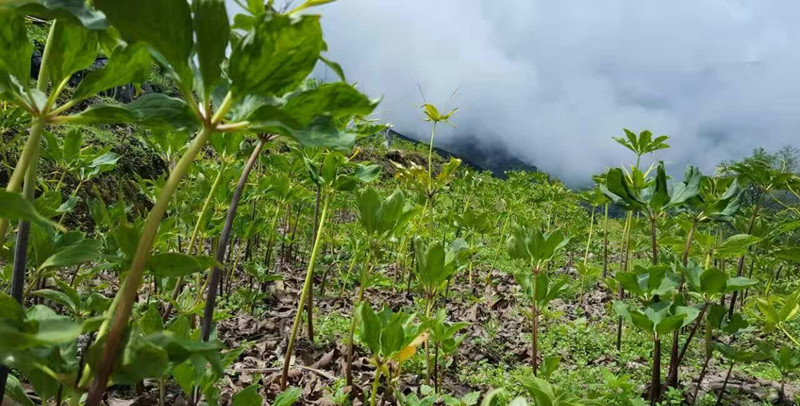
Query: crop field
x,y
189,216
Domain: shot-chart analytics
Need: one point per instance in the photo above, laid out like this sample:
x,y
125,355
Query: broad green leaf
x,y
159,110
126,65
789,254
713,281
174,264
15,391
73,48
53,9
369,332
151,322
322,132
15,49
14,206
212,31
276,55
78,253
141,359
735,245
10,308
165,25
248,397
72,144
288,397
57,297
337,99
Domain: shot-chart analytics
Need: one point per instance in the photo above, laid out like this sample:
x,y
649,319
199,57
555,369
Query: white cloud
x,y
552,81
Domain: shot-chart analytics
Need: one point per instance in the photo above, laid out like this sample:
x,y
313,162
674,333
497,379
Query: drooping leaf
x,y
277,54
14,206
126,65
73,48
212,30
165,25
83,251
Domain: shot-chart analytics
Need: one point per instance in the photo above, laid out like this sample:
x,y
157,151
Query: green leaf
x,y
212,31
15,391
14,206
126,65
72,144
54,9
337,99
248,397
323,133
165,25
369,332
82,251
73,48
10,308
335,67
735,245
57,297
288,397
15,49
159,110
174,264
276,55
713,281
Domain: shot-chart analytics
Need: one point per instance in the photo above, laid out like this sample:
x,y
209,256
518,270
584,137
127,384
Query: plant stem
x,y
655,383
622,267
213,284
535,332
724,385
306,287
700,379
360,297
127,292
740,265
605,242
21,253
430,158
375,383
310,301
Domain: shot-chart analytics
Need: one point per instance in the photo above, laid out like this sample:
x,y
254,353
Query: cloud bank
x,y
553,81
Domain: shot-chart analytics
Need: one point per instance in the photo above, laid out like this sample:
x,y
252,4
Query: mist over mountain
x,y
549,83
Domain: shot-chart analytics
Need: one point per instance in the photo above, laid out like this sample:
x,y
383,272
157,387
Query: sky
x,y
553,81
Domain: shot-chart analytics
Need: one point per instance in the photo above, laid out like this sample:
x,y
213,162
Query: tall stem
x,y
375,382
30,152
740,265
655,382
306,287
213,285
623,267
605,242
535,326
430,158
195,232
350,344
724,385
127,292
21,252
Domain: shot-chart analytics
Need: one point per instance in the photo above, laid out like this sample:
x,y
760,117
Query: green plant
x,y
389,337
535,249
